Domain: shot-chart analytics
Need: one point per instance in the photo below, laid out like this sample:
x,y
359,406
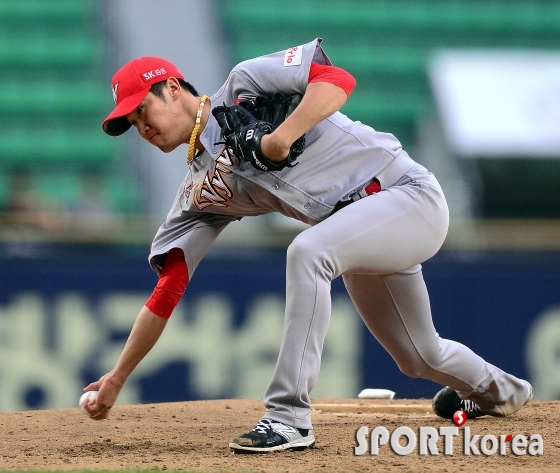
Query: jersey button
x,y
306,206
242,169
275,187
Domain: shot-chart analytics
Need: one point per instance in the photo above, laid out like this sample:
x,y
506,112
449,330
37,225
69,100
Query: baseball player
x,y
271,139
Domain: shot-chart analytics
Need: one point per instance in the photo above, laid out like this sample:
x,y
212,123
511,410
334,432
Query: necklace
x,y
194,134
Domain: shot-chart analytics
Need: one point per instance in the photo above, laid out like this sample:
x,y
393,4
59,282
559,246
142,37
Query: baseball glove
x,y
244,125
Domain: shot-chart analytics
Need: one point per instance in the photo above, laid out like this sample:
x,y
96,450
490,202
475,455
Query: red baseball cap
x,y
131,83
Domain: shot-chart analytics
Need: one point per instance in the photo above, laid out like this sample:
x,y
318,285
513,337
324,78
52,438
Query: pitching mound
x,y
195,436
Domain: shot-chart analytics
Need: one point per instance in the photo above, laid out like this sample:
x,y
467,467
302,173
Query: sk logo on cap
x,y
114,89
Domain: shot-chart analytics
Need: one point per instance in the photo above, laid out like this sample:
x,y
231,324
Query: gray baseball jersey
x,y
377,243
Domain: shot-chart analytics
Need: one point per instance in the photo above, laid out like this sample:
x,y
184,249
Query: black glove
x,y
275,109
243,128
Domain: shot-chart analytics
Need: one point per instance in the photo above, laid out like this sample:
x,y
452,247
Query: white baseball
x,y
89,396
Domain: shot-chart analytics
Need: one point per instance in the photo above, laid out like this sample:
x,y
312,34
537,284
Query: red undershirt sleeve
x,y
334,75
171,285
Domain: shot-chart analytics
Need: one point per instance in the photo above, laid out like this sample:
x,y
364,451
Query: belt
x,y
373,188
387,177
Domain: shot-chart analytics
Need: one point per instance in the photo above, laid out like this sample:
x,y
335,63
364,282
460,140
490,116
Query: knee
x,y
421,365
303,248
301,245
306,251
414,368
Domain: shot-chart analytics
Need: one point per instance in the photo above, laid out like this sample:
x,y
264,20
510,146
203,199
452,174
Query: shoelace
x,y
470,406
263,426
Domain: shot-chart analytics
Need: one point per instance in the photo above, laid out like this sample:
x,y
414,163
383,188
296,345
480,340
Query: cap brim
x,y
116,123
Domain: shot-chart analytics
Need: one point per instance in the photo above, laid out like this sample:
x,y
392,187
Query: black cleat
x,y
272,436
447,402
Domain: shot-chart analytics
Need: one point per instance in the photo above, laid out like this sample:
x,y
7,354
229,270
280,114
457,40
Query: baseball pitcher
x,y
271,139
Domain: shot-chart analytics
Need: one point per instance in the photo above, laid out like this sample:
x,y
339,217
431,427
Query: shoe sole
x,y
531,392
236,448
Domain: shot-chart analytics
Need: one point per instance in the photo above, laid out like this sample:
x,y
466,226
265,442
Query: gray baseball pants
x,y
377,245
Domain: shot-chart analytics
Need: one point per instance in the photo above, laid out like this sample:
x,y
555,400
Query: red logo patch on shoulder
x,y
293,56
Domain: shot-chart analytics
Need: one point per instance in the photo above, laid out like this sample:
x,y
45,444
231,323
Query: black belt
x,y
373,188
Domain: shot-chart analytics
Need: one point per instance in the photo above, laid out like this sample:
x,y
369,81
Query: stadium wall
x,y
65,313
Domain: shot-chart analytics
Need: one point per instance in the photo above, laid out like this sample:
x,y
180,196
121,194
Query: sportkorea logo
x,y
114,89
425,441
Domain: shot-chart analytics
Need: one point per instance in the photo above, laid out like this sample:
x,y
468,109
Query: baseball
x,y
88,396
460,417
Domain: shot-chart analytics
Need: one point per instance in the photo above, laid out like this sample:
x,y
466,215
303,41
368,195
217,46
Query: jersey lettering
x,y
214,190
293,56
249,135
188,189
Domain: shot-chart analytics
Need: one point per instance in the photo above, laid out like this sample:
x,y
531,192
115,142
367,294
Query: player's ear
x,y
173,87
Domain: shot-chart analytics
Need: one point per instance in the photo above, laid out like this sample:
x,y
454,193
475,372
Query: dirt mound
x,y
195,435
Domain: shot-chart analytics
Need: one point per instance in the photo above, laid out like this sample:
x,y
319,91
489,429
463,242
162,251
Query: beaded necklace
x,y
194,134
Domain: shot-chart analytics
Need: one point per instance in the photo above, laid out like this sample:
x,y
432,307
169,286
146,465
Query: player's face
x,y
157,122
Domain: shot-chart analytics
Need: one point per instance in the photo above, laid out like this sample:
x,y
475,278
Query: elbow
x,y
351,84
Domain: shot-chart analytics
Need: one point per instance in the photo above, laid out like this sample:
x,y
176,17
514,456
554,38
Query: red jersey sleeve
x,y
171,285
334,75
